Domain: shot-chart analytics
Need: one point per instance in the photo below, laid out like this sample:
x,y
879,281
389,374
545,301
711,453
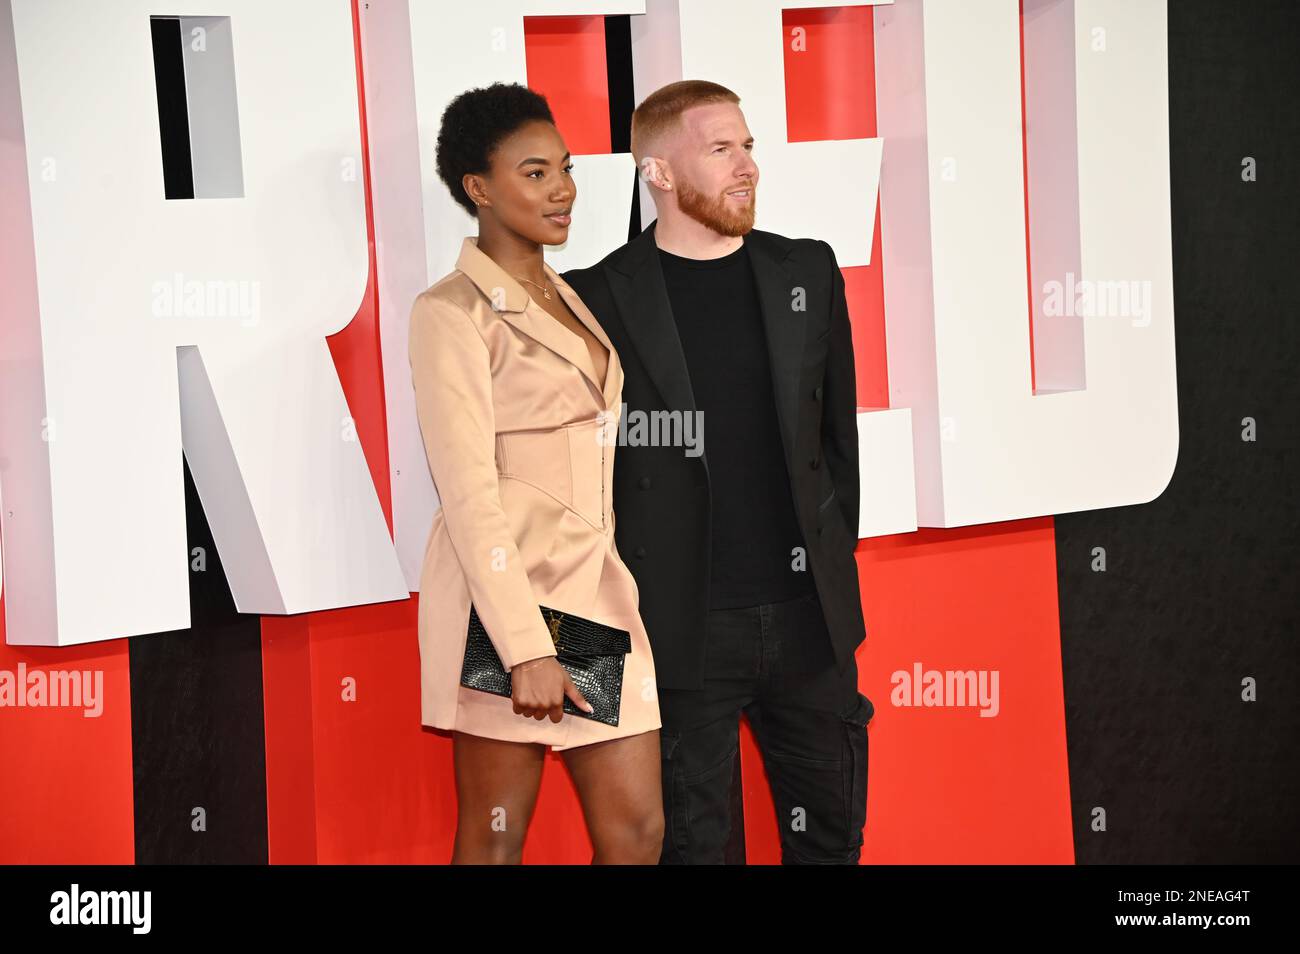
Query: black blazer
x,y
661,495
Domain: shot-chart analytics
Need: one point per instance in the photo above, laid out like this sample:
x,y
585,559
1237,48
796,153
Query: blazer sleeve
x,y
452,375
840,407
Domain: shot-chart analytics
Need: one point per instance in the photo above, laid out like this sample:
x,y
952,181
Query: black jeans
x,y
774,663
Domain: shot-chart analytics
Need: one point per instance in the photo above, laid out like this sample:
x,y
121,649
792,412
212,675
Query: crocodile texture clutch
x,y
592,654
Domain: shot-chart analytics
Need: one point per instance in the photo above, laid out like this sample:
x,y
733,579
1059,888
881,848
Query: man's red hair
x,y
660,113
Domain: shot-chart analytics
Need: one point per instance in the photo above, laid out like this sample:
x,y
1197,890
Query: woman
x,y
518,392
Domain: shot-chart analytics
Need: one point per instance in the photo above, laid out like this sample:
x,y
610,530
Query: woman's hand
x,y
538,688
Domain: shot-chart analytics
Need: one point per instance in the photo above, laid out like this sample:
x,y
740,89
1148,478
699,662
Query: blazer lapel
x,y
785,332
613,369
511,301
637,284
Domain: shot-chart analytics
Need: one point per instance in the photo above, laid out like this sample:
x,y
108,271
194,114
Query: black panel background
x,y
197,726
1200,590
173,108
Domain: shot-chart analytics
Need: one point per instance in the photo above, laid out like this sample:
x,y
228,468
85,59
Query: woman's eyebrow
x,y
539,160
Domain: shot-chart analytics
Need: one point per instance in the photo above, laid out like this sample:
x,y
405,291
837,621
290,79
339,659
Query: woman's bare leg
x,y
620,783
496,791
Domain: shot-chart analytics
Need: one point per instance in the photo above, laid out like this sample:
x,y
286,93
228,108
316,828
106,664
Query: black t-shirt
x,y
754,529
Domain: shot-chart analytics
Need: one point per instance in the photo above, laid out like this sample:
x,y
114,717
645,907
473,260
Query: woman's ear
x,y
473,186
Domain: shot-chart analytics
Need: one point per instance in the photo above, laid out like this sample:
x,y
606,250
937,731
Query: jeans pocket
x,y
854,768
676,820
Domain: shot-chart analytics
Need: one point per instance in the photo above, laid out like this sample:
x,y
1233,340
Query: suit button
x,y
817,392
815,463
644,483
640,552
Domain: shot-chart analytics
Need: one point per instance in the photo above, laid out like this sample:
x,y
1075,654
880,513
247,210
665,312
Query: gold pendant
x,y
547,293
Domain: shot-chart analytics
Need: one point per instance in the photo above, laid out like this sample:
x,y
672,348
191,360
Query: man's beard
x,y
717,212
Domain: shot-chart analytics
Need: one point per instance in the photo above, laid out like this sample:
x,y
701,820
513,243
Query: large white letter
x,y
1101,429
137,322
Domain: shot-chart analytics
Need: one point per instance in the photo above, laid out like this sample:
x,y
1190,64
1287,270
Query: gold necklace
x,y
545,291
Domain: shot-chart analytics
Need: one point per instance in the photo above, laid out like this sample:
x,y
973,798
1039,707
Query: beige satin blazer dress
x,y
520,437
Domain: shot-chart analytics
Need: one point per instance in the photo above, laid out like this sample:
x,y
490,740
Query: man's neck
x,y
682,235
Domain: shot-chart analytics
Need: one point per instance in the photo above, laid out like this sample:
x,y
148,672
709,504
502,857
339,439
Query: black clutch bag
x,y
592,654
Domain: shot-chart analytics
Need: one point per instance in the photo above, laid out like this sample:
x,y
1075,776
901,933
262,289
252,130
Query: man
x,y
742,549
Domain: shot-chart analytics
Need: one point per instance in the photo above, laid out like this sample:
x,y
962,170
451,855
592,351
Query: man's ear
x,y
655,171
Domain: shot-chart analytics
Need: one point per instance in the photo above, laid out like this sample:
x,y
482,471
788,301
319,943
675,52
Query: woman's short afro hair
x,y
474,123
